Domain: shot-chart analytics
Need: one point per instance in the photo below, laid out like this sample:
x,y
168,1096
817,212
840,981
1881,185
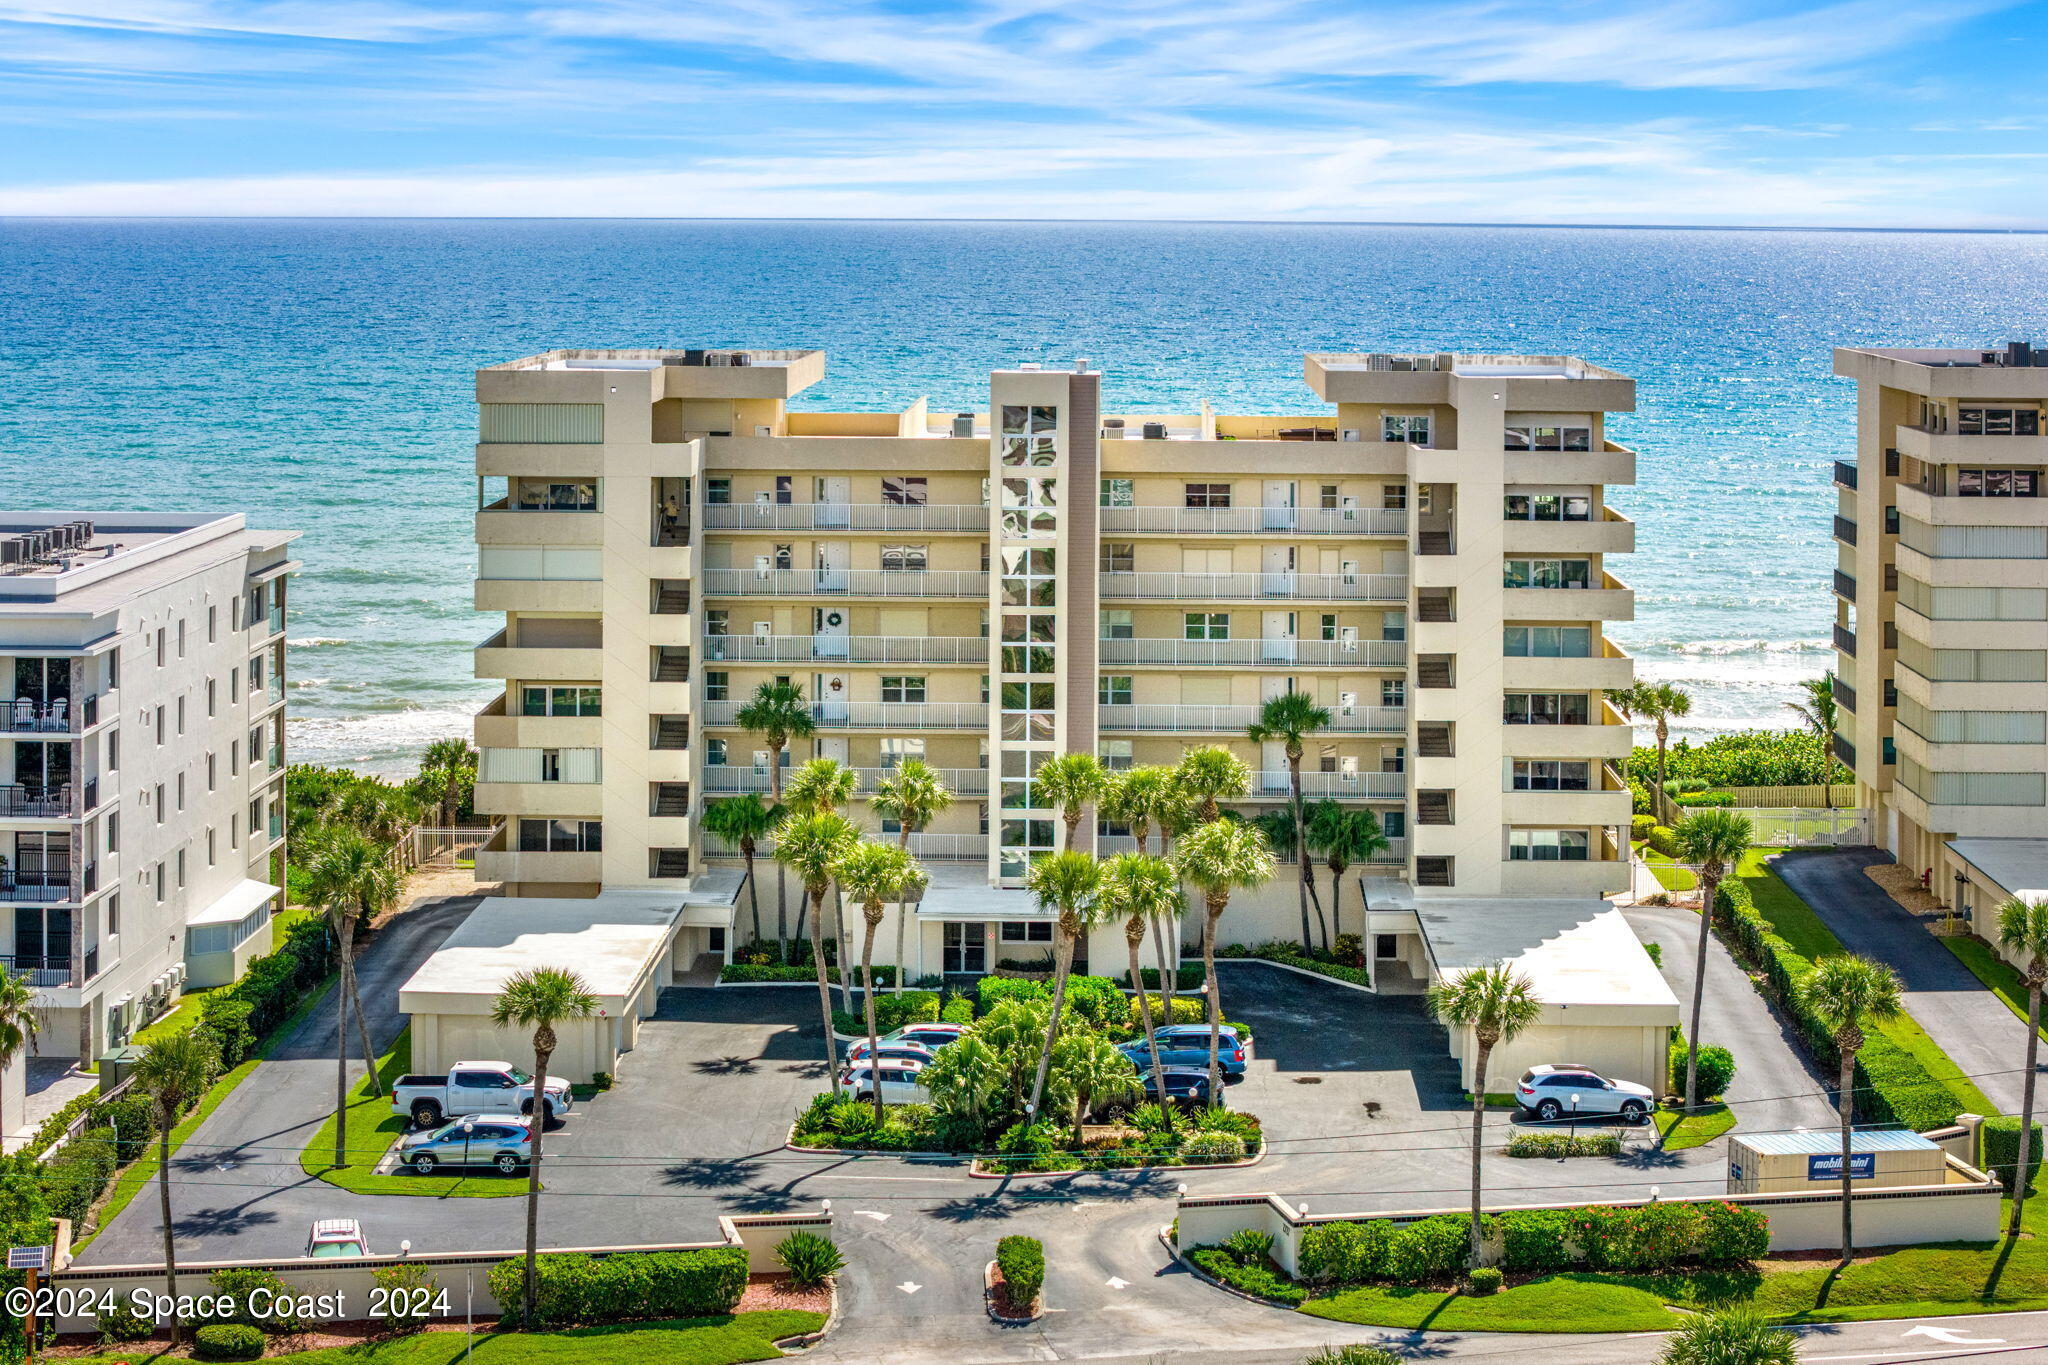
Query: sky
x,y
1858,113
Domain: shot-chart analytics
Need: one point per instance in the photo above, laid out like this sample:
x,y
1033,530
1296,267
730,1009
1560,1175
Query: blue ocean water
x,y
316,374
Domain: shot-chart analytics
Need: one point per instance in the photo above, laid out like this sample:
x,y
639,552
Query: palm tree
x,y
1713,841
1095,1072
742,820
1218,858
2023,929
910,797
777,714
811,845
377,810
823,785
874,874
1064,884
1144,892
448,776
173,1071
1817,713
20,1020
538,999
352,879
1210,774
1732,1336
1070,783
1139,797
1658,703
1288,720
1346,837
1847,994
1496,1004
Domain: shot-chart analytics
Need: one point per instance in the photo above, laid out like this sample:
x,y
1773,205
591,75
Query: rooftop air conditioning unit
x,y
963,424
1081,365
1155,431
1112,428
1028,365
742,358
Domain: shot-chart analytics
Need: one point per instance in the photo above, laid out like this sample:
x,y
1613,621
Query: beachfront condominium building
x,y
1941,627
142,773
1425,552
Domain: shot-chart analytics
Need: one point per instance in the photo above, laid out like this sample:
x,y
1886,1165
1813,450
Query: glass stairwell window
x,y
1548,573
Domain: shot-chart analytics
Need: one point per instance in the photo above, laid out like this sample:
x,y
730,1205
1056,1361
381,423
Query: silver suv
x,y
501,1140
1555,1092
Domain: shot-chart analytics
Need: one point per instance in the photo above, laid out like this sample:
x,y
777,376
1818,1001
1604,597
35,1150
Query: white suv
x,y
1554,1092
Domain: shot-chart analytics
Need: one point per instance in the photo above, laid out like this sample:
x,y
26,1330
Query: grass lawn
x,y
1669,874
183,1015
690,1341
1995,972
1693,1130
373,1125
1554,1303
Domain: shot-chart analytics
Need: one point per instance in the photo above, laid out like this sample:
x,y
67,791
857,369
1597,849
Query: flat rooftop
x,y
654,359
2010,355
89,562
1574,951
1470,364
2018,865
608,941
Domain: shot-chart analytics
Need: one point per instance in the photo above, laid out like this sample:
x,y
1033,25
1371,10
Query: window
x,y
234,758
1998,422
1116,625
114,915
1547,845
784,557
113,750
902,689
159,725
1118,493
1035,931
1394,823
716,621
1116,755
159,805
113,831
561,836
1393,692
718,492
180,861
1331,501
1412,430
896,749
235,830
181,791
903,558
212,696
1329,630
1119,557
1547,507
1998,483
212,625
159,646
1207,494
181,713
560,701
1547,642
161,884
1547,438
714,753
1550,775
717,686
210,850
1394,497
785,485
1546,708
1206,625
904,490
1394,625
1548,573
1114,689
1028,642
234,686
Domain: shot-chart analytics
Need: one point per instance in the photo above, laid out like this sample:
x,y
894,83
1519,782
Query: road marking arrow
x,y
910,1286
1116,1283
1953,1337
870,1213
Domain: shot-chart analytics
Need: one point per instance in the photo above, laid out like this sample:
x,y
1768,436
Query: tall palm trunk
x,y
1708,883
781,872
1132,933
2019,1178
167,1120
1848,1042
1215,909
355,1000
824,990
1063,961
1478,1139
543,1048
1663,733
1337,901
867,990
345,931
902,920
753,890
1300,847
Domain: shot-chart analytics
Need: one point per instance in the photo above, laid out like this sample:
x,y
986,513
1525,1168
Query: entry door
x,y
831,495
966,948
1276,578
832,692
1279,505
832,747
1276,639
829,629
1273,767
835,557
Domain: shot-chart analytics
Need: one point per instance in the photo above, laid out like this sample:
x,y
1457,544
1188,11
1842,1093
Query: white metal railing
x,y
1246,652
1337,521
745,778
845,583
1364,786
1374,720
1395,854
938,848
862,715
864,649
838,516
1281,586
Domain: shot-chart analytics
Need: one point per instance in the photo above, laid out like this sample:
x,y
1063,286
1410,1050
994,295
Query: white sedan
x,y
1555,1092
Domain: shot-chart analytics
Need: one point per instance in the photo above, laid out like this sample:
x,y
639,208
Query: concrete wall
x,y
1617,1048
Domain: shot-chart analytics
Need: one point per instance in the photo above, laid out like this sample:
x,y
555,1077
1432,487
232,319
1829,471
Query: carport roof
x,y
2018,865
1574,951
610,941
961,891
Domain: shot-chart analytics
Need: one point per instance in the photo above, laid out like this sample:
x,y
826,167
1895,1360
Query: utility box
x,y
115,1065
1806,1159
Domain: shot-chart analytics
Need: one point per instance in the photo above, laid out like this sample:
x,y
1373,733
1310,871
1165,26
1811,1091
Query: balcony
x,y
930,848
1845,475
873,715
566,650
1846,752
1172,653
1610,534
859,649
845,583
58,716
1948,447
42,886
1845,586
831,516
1261,587
1844,695
1248,521
1365,786
1608,670
503,860
1361,720
1845,530
47,803
1612,600
736,778
40,971
1845,640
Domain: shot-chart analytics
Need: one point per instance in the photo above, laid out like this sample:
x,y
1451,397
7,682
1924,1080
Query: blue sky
x,y
1857,113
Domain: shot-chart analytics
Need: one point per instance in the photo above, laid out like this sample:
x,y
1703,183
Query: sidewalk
x,y
52,1082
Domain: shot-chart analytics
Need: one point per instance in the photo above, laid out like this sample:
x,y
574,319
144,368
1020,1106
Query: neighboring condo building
x,y
142,774
1425,552
1942,624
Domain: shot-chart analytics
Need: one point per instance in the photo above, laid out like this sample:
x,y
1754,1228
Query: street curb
x,y
1206,1278
976,1172
988,1299
803,1341
789,1144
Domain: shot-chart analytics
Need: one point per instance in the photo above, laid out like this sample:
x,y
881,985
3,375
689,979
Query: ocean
x,y
317,374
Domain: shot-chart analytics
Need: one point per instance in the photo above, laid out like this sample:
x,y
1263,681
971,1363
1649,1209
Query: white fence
x,y
447,847
1806,826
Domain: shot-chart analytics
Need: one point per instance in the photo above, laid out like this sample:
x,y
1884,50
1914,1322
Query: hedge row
x,y
627,1286
1187,978
751,974
1291,955
1891,1086
2001,1151
234,1019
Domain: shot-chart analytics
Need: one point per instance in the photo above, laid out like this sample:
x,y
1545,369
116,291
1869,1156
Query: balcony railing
x,y
1846,752
1845,474
1370,720
1311,521
859,649
1316,785
1845,530
58,716
44,885
1245,653
845,583
874,715
834,516
1312,587
39,803
1845,695
1845,640
931,848
40,971
736,778
1845,586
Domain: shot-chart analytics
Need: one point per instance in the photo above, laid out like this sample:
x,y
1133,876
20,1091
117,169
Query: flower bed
x,y
1294,955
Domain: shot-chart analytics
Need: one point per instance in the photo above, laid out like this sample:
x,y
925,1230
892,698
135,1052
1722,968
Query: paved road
x,y
1968,1022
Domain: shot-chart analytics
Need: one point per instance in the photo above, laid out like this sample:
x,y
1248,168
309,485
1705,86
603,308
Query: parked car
x,y
931,1036
1556,1091
1181,1084
476,1088
1188,1045
891,1052
501,1140
334,1238
898,1081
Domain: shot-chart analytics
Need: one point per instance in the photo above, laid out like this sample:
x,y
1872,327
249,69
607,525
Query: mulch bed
x,y
1002,1305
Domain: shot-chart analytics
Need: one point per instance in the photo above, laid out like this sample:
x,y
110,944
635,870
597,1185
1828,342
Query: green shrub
x,y
1716,1070
809,1258
602,1081
133,1121
1693,800
1210,1149
1482,1281
1097,1000
1639,826
1553,1145
958,1010
1730,1234
227,1341
892,1011
239,1283
1261,1281
1022,1263
1744,758
1533,1240
994,990
1293,955
1655,951
405,1306
1249,1245
625,1286
120,1324
1331,1253
74,1177
2001,1151
225,1022
1428,1249
1185,978
1147,1118
1663,840
749,974
1352,1353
